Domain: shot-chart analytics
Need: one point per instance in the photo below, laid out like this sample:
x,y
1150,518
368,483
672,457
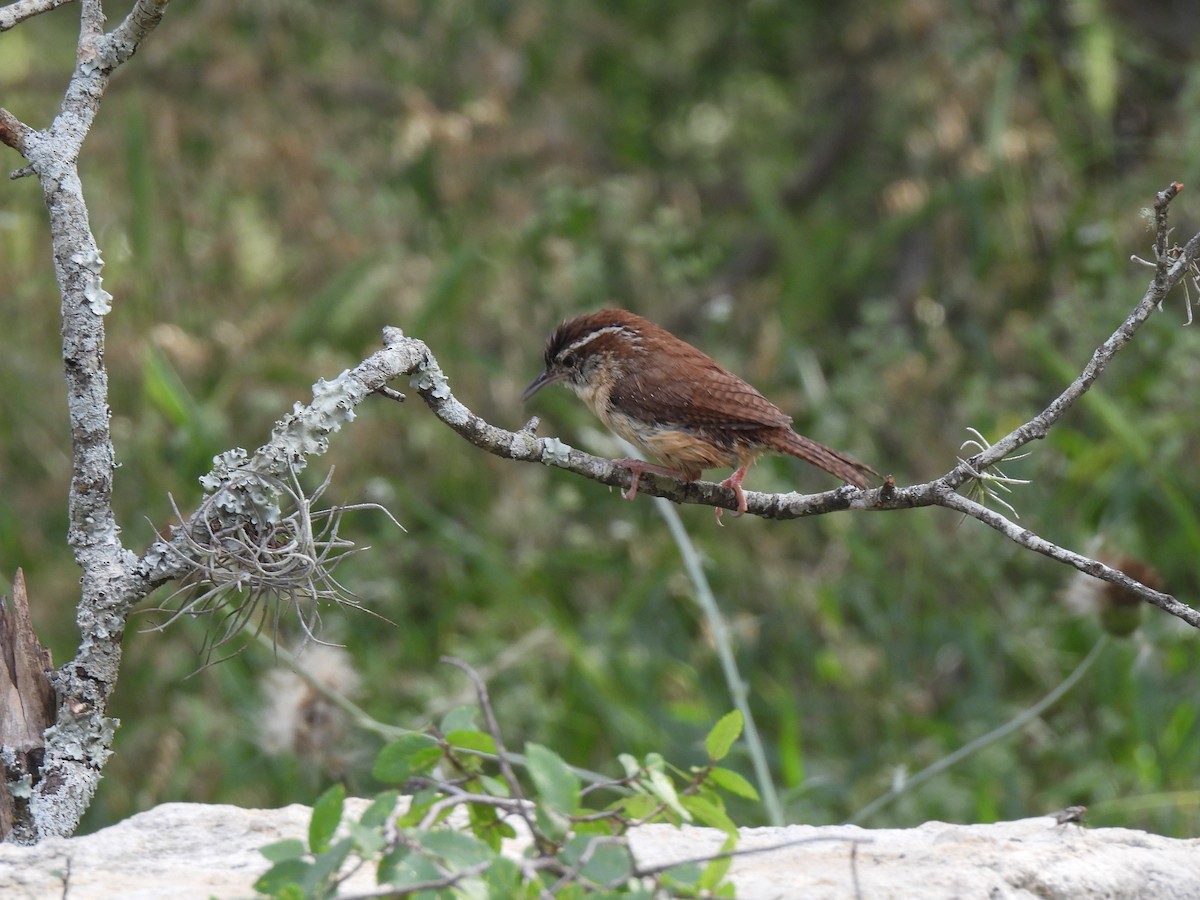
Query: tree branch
x,y
523,446
142,19
78,744
14,132
1021,535
1173,264
16,13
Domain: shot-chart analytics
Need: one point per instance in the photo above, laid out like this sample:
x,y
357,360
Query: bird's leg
x,y
639,467
735,481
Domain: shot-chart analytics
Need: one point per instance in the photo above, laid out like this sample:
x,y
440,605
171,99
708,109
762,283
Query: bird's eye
x,y
569,361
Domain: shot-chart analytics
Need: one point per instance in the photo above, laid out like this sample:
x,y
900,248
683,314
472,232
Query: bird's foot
x,y
639,467
735,481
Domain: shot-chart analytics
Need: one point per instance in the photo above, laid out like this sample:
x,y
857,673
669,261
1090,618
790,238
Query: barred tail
x,y
832,461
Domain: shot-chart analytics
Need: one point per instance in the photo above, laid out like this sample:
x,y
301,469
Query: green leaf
x,y
166,390
368,839
485,824
390,863
720,739
598,826
683,876
550,821
402,866
471,740
456,848
557,785
716,870
290,873
495,787
608,861
630,764
326,866
418,806
326,814
708,812
381,808
661,786
290,848
461,718
503,879
411,754
790,748
637,806
733,782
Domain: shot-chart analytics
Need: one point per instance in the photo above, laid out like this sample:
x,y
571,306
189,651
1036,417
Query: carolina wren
x,y
675,403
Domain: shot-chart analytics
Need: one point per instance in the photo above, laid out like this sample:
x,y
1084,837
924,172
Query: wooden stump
x,y
27,704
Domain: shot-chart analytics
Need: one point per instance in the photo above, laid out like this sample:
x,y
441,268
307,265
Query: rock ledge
x,y
190,851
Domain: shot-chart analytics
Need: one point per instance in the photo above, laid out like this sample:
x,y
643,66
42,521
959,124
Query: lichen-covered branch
x,y
240,483
78,744
142,19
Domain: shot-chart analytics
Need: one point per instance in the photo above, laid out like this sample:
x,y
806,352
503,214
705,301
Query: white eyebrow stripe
x,y
634,336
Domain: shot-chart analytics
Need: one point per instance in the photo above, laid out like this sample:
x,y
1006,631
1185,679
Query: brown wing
x,y
678,384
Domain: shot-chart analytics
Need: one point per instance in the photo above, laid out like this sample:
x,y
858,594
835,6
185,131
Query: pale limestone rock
x,y
1030,859
190,851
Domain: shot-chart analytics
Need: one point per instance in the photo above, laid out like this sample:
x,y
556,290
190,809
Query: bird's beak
x,y
541,381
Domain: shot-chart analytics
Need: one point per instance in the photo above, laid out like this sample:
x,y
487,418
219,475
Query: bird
x,y
675,403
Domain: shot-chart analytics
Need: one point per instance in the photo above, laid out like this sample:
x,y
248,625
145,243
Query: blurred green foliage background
x,y
898,219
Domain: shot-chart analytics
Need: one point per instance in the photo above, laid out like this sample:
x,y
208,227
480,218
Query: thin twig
x,y
493,727
1167,274
367,722
1014,724
748,851
1023,536
431,884
736,685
